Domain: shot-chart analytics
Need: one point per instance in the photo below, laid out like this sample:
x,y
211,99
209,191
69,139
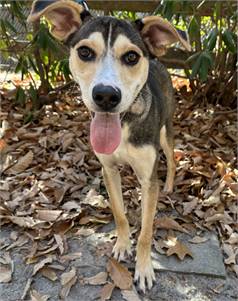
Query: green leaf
x,y
210,41
193,28
196,66
229,38
33,93
20,96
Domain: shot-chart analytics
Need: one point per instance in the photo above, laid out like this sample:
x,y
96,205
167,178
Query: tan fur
x,y
87,70
143,161
169,153
132,75
62,25
168,35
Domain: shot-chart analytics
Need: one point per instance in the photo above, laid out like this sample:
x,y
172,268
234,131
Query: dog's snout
x,y
106,97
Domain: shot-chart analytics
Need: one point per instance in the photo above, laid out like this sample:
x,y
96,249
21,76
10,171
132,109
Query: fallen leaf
x,y
84,232
6,268
188,207
70,256
71,205
60,242
198,240
21,241
168,223
35,296
106,291
26,289
130,295
41,264
100,278
178,248
68,279
22,164
49,273
119,274
48,215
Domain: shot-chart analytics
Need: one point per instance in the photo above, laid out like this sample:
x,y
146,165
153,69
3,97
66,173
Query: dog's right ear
x,y
65,16
158,34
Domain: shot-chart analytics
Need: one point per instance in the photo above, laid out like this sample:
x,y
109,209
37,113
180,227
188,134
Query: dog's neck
x,y
140,107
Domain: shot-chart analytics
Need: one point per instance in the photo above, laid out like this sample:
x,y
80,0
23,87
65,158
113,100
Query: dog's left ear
x,y
158,34
65,16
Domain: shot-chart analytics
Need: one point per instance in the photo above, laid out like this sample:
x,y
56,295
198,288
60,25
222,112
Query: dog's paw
x,y
168,188
144,274
121,248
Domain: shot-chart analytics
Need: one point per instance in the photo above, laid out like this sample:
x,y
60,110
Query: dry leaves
x,y
178,248
6,268
68,279
35,296
100,278
106,291
51,185
169,224
119,274
22,164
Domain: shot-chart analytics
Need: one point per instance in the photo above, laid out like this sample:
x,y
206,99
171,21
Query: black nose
x,y
106,97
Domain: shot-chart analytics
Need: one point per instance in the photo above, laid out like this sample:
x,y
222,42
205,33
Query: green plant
x,y
37,54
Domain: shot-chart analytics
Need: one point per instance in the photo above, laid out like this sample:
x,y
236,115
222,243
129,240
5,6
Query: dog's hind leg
x,y
167,144
112,181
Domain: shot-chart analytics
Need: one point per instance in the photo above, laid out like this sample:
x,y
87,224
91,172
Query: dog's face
x,y
109,58
110,62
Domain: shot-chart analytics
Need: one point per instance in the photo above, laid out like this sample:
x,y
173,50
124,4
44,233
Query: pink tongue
x,y
105,132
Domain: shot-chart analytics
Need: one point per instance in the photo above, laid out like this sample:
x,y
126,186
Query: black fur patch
x,y
40,5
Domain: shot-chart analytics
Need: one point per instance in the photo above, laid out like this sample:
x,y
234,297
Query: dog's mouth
x,y
105,132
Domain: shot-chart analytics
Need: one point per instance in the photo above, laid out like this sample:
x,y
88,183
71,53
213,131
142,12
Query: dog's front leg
x,y
144,269
112,181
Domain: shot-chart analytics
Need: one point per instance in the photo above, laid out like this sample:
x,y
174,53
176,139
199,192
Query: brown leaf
x,y
106,291
70,256
49,273
5,274
100,278
178,248
168,223
22,240
198,240
68,279
60,242
48,215
35,296
188,207
41,264
119,274
130,295
22,164
71,205
84,232
6,268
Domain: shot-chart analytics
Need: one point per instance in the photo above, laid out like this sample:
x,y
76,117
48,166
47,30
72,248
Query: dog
x,y
130,95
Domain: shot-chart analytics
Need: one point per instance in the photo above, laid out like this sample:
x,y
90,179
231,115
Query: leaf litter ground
x,y
52,192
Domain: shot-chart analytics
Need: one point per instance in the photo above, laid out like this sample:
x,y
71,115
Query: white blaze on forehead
x,y
107,72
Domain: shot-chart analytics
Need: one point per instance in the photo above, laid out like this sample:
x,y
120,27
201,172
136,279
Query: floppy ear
x,y
65,16
158,34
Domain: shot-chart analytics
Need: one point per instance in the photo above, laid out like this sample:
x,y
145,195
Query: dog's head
x,y
109,58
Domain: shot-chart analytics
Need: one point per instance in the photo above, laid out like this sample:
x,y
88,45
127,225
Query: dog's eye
x,y
131,58
86,54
